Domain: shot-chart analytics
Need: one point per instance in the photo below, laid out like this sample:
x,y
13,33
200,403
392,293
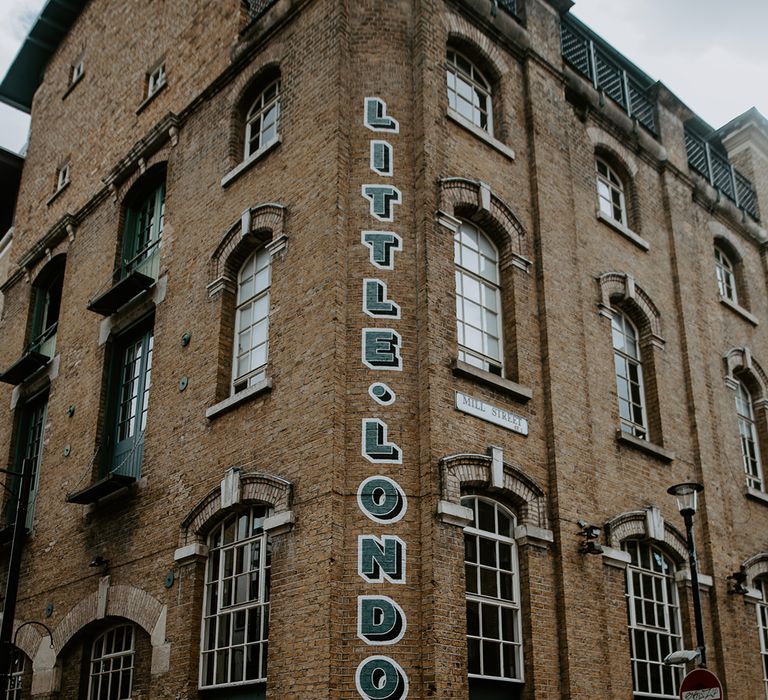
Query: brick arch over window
x,y
263,224
741,366
461,472
464,35
125,602
474,200
647,525
755,567
619,289
237,489
612,150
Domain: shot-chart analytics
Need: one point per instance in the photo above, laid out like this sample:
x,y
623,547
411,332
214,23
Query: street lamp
x,y
686,495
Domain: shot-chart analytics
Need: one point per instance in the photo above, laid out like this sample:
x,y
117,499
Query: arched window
x,y
144,219
726,279
262,121
111,668
478,301
47,303
762,628
252,321
750,450
654,620
233,648
629,376
610,193
469,93
494,636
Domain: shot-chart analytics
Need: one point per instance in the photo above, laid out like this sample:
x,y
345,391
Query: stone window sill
x,y
505,150
264,386
56,194
239,169
739,310
756,495
628,233
151,97
644,446
505,386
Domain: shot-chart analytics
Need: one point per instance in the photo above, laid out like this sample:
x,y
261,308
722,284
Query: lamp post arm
x,y
698,620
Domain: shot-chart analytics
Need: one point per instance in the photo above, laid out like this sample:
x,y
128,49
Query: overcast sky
x,y
711,54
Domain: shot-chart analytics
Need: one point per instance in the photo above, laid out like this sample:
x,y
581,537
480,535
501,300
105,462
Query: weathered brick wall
x,y
540,176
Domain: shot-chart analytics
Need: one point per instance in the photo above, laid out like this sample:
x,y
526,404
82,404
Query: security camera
x,y
684,656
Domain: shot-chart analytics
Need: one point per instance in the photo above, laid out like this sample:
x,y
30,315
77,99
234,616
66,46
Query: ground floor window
x,y
654,621
111,668
494,639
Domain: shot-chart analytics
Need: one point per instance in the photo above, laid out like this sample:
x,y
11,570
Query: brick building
x,y
543,301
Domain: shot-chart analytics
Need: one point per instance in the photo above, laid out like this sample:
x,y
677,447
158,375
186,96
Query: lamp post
x,y
686,504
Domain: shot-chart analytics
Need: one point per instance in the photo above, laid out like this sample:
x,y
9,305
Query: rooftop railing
x,y
256,8
596,62
710,163
509,6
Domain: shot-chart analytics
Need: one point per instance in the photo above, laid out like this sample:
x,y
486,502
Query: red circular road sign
x,y
701,684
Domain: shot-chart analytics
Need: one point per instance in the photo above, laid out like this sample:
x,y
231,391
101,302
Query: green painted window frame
x,y
29,445
128,400
143,230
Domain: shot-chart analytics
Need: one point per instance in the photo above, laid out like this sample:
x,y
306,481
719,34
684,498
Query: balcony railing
x,y
594,61
720,173
256,8
45,343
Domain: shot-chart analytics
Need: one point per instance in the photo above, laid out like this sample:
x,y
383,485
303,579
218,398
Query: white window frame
x,y
726,276
219,615
658,594
469,78
14,684
155,79
62,176
488,602
762,629
77,72
111,665
260,297
625,362
476,269
748,436
263,117
610,193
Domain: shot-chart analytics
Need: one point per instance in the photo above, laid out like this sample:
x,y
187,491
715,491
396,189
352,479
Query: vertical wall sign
x,y
381,557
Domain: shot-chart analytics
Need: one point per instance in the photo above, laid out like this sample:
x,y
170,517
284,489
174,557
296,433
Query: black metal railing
x,y
714,165
145,261
592,59
256,8
42,343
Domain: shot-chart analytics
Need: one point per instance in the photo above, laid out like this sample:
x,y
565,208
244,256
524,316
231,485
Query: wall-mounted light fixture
x,y
590,533
738,579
